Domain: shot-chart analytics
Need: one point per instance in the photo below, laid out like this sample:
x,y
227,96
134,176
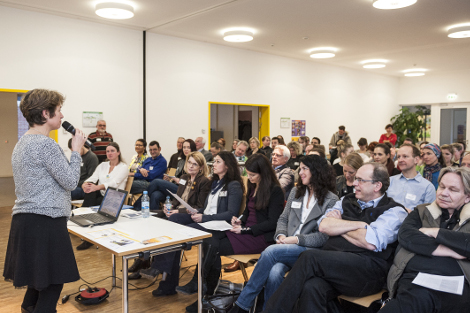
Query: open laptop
x,y
108,212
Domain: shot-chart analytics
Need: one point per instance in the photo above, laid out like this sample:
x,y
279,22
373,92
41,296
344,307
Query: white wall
x,y
97,67
184,75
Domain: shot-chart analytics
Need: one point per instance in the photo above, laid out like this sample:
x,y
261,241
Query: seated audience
x,y
266,148
345,182
434,240
382,155
458,151
153,168
355,260
110,173
371,148
221,142
303,141
240,151
316,141
235,144
254,231
410,188
420,166
281,140
176,156
254,147
87,168
157,189
433,161
465,161
408,140
448,155
295,150
308,148
200,143
274,142
194,192
341,134
343,151
363,152
388,136
100,139
296,231
216,148
284,174
138,159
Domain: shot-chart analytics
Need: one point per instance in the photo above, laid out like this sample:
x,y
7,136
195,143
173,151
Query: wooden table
x,y
140,229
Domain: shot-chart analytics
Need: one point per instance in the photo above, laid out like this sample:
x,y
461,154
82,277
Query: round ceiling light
x,y
459,31
238,36
322,53
392,4
415,72
113,10
374,63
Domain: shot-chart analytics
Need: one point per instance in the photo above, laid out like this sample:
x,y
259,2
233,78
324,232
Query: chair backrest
x,y
171,171
129,182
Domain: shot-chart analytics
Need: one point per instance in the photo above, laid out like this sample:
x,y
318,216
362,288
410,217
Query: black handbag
x,y
219,303
225,287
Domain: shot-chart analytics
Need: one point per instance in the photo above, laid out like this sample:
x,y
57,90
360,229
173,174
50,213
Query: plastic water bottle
x,y
168,204
145,205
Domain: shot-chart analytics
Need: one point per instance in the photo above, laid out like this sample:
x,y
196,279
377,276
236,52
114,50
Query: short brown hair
x,y
37,100
415,149
354,160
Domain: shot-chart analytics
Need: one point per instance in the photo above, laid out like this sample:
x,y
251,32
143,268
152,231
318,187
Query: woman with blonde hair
x,y
344,183
344,149
448,154
296,151
254,147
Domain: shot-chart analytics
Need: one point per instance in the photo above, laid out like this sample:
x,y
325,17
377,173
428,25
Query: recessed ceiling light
x,y
113,10
322,53
415,72
459,31
374,63
392,4
238,36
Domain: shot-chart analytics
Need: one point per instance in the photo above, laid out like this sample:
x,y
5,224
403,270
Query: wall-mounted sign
x,y
89,119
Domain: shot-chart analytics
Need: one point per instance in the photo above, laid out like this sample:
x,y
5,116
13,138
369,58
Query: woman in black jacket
x,y
254,231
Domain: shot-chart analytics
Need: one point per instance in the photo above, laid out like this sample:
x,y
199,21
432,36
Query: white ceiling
x,y
416,35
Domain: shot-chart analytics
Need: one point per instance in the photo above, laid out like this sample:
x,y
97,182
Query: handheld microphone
x,y
68,127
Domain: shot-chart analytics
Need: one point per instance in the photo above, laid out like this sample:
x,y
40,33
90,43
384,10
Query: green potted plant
x,y
409,124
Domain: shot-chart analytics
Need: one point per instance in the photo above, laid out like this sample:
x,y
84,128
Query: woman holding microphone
x,y
39,253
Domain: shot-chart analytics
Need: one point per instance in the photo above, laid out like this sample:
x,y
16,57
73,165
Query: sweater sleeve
x,y
65,173
412,239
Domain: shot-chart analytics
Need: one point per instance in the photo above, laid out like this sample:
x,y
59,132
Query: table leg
x,y
199,278
125,303
113,272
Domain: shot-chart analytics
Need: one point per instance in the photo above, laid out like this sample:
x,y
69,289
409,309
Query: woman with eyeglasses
x,y
254,231
140,157
296,231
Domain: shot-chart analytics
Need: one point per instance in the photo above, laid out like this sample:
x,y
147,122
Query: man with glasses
x,y
100,139
362,229
152,168
284,174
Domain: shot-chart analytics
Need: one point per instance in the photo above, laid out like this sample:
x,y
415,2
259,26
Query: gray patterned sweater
x,y
43,176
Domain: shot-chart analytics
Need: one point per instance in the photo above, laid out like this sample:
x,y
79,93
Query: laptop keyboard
x,y
95,217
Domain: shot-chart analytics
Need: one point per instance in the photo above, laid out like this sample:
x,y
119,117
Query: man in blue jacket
x,y
152,168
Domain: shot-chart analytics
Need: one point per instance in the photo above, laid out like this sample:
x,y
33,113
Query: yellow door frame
x,y
54,134
263,120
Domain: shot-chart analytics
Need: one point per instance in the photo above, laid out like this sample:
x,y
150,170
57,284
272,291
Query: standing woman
x,y
433,162
39,254
382,155
345,182
448,154
388,136
140,157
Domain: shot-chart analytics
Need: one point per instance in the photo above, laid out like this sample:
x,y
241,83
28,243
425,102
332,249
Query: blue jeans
x,y
157,192
269,272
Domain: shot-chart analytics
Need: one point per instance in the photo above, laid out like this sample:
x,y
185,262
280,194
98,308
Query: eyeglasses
x,y
190,164
360,180
101,125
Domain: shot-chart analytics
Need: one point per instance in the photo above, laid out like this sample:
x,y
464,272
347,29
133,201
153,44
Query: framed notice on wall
x,y
89,119
285,122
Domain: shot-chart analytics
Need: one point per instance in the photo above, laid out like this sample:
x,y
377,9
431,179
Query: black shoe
x,y
159,293
149,273
237,309
135,275
84,245
138,265
192,308
29,309
188,289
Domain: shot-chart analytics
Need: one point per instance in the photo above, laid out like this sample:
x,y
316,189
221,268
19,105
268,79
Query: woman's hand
x,y
235,221
288,240
78,140
197,218
87,187
168,214
236,229
280,238
166,177
176,180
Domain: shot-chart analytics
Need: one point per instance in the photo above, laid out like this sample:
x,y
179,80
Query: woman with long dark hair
x,y
254,231
138,159
382,155
314,194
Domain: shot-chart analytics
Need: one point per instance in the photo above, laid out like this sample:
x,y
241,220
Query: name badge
x,y
151,167
296,205
410,196
223,193
81,164
354,190
183,182
98,139
296,163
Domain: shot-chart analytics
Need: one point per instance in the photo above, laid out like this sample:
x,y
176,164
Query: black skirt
x,y
39,252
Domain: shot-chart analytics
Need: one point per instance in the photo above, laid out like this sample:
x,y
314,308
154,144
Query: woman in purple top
x,y
254,231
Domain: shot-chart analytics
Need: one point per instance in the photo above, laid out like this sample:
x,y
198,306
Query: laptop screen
x,y
113,201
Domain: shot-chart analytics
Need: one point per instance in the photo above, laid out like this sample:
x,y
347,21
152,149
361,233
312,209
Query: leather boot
x,y
235,266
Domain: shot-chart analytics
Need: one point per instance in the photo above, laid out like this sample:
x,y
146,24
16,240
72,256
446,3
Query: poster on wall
x,y
89,119
298,129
